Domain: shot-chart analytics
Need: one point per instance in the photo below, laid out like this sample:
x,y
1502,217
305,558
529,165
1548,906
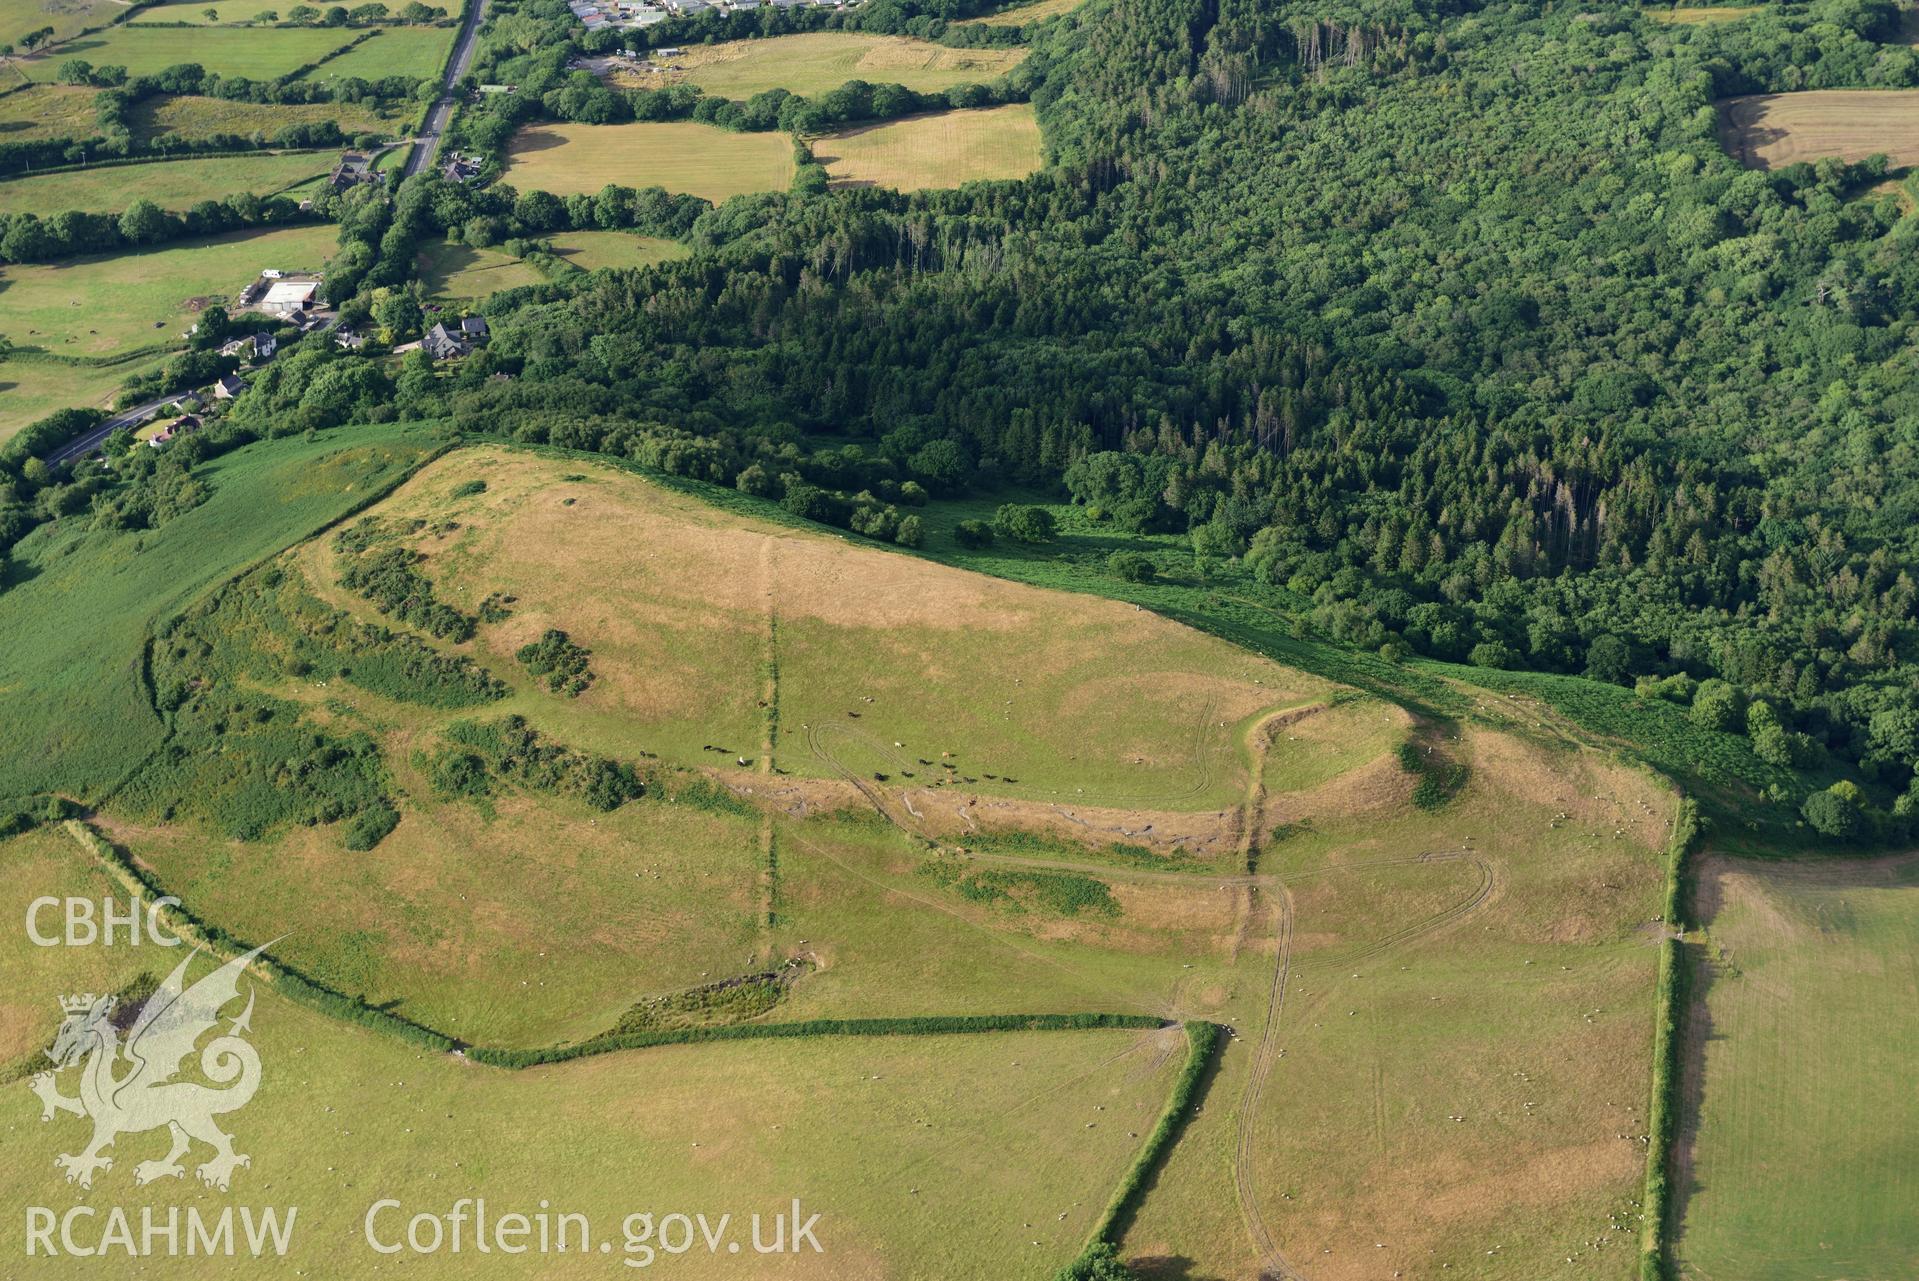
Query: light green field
x,y
818,62
77,715
592,250
1797,1161
229,51
46,862
419,52
191,117
570,159
115,303
171,184
31,389
944,149
1026,14
463,272
39,112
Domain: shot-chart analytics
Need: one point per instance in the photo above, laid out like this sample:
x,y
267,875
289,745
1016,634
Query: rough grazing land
x,y
818,62
1796,1158
171,184
1768,131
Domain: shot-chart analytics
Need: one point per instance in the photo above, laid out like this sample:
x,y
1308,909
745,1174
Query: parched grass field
x,y
881,657
194,117
230,51
114,303
76,713
573,159
419,52
1020,15
171,184
31,389
943,149
1769,131
1797,1158
39,112
814,63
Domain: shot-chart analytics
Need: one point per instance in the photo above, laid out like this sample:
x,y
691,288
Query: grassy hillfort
x,y
1105,640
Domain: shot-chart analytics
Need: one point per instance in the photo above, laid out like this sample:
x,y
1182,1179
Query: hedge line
x,y
1201,1040
920,1025
1656,1202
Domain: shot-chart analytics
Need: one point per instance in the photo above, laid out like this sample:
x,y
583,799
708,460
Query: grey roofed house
x,y
441,344
228,387
264,345
474,327
349,339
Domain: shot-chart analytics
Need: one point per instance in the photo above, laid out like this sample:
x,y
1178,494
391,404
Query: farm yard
x,y
815,63
573,159
1768,131
171,184
1803,1028
941,149
108,305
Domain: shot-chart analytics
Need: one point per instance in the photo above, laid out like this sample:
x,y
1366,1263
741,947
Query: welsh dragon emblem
x,y
131,1088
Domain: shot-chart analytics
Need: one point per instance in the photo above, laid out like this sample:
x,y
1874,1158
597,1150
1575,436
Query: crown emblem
x,y
78,1004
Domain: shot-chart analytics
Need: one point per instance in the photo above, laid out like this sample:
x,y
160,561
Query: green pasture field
x,y
933,1154
1795,1153
572,159
114,303
45,862
231,51
171,184
592,250
462,272
39,112
31,389
195,118
818,62
419,52
942,149
78,603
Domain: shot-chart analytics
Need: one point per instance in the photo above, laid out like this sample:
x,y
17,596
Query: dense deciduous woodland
x,y
1454,318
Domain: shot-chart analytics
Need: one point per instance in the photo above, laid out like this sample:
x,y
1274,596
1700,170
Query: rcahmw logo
x,y
130,1088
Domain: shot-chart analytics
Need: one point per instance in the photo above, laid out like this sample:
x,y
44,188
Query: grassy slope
x,y
194,117
47,111
229,51
568,159
78,605
1801,1157
591,250
1020,15
234,11
463,272
419,52
171,184
943,149
105,305
31,389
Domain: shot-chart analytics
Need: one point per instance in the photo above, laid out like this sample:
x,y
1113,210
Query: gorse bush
x,y
559,661
477,758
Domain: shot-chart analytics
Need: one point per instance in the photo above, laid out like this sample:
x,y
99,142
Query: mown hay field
x,y
941,149
1021,15
1697,15
171,184
103,305
418,52
1796,1152
814,63
1772,130
571,159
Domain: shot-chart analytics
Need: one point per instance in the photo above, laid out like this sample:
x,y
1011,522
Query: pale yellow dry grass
x,y
1772,130
944,149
